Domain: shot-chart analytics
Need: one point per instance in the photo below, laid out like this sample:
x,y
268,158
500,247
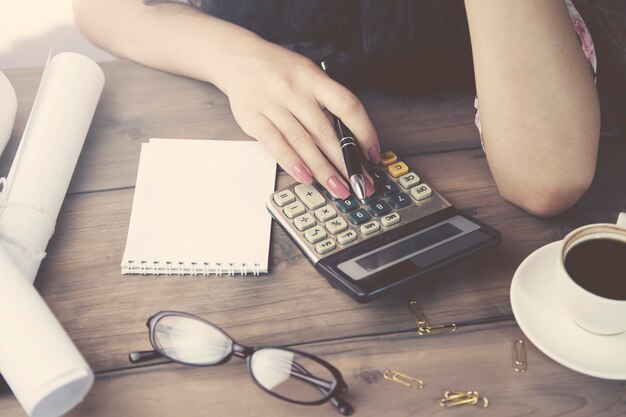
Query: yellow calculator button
x,y
398,169
388,158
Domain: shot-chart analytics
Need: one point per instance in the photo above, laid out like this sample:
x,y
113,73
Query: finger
x,y
345,105
260,128
317,123
299,139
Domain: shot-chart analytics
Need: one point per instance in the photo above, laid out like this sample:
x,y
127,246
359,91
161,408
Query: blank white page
x,y
199,207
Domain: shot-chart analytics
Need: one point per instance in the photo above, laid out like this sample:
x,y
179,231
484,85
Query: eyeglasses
x,y
288,374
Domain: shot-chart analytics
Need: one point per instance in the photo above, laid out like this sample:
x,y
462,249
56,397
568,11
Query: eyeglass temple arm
x,y
340,404
143,356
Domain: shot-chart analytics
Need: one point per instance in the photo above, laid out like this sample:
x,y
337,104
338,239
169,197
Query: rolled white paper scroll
x,y
46,157
8,108
38,360
45,371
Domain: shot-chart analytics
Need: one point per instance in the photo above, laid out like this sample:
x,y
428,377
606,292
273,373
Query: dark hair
x,y
404,45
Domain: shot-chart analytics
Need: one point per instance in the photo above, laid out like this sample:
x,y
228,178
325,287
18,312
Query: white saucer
x,y
538,312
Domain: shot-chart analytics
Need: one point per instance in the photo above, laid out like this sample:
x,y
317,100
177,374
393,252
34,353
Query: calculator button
x,y
380,208
378,176
421,192
311,198
388,188
371,199
315,234
398,169
369,228
399,201
325,213
325,246
346,206
388,158
284,197
390,219
409,180
337,225
331,197
359,216
346,237
294,210
304,222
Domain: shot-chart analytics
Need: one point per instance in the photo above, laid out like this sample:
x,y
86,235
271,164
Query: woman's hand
x,y
278,97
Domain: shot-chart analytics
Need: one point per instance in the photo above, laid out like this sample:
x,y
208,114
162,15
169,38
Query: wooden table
x,y
105,313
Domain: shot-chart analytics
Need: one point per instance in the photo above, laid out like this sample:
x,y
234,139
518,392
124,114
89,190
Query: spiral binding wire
x,y
191,268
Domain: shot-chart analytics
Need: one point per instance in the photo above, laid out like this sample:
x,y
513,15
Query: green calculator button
x,y
346,206
388,188
380,208
359,216
378,177
399,201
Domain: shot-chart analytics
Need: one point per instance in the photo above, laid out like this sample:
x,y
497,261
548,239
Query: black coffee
x,y
599,266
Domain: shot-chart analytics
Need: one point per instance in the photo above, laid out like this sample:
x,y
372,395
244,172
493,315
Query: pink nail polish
x,y
302,173
374,154
339,187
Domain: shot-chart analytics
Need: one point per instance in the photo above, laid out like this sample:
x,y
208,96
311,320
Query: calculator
x,y
401,233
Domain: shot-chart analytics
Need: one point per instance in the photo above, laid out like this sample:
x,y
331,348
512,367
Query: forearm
x,y
538,103
171,37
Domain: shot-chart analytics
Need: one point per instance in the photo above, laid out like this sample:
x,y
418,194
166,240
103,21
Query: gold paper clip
x,y
402,379
519,356
456,398
423,326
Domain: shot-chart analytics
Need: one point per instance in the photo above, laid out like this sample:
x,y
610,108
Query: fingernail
x,y
369,187
339,187
303,174
374,154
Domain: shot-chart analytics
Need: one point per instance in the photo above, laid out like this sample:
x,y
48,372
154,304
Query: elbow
x,y
547,200
80,8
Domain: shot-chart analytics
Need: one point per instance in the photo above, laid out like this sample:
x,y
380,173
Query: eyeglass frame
x,y
246,352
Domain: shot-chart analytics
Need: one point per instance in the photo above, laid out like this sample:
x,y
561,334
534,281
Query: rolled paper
x,y
46,157
44,369
38,360
8,108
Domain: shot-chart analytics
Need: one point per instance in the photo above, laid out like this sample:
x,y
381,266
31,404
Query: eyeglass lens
x,y
282,372
191,341
291,375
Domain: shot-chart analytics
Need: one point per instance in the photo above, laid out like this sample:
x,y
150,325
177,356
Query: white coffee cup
x,y
594,313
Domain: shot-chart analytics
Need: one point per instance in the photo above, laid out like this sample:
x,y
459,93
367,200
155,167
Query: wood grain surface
x,y
105,313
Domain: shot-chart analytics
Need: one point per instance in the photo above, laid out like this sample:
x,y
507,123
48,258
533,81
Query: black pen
x,y
351,153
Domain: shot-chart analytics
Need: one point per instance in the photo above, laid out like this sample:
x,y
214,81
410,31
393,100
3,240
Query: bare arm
x,y
538,103
276,95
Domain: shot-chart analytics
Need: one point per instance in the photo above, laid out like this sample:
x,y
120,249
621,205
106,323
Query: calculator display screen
x,y
408,246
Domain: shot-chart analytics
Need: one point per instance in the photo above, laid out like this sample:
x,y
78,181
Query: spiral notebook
x,y
199,209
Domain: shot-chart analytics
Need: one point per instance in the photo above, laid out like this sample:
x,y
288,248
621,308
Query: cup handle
x,y
621,219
